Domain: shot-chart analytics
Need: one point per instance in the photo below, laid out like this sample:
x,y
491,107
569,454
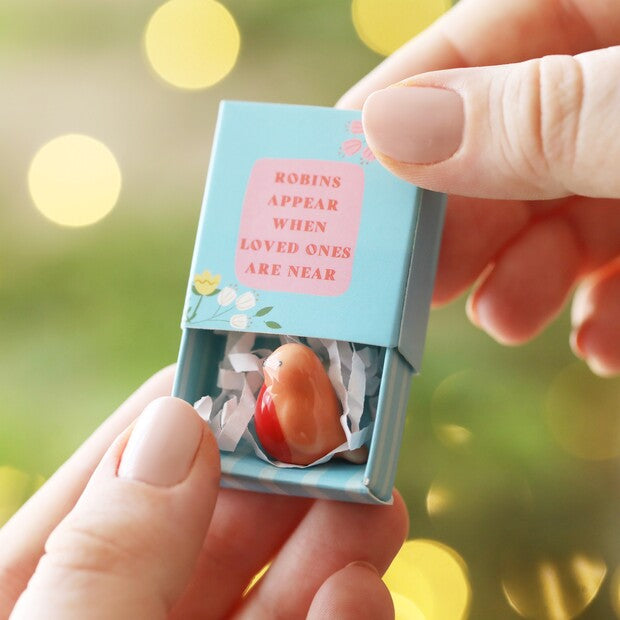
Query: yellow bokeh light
x,y
405,609
453,435
74,180
455,407
433,577
438,500
583,413
615,592
472,486
15,488
192,44
385,26
550,587
256,579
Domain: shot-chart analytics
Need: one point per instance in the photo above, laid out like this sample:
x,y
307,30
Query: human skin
x,y
512,109
115,534
533,213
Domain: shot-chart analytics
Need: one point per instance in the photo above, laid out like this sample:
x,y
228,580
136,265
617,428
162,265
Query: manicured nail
x,y
470,310
364,564
163,443
583,347
483,313
414,124
575,340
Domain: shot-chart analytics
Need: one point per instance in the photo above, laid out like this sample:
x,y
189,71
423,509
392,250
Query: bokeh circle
x,y
192,44
74,180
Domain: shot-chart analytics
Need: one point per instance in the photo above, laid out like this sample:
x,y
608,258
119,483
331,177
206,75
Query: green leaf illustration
x,y
264,311
195,290
215,292
273,325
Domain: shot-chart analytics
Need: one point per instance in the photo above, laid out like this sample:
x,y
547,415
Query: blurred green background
x,y
510,456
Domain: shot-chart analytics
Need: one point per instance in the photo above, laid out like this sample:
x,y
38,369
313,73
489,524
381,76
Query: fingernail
x,y
484,313
163,443
470,310
414,124
583,347
575,340
600,368
364,564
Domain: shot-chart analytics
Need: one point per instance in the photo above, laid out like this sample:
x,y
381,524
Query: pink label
x,y
299,226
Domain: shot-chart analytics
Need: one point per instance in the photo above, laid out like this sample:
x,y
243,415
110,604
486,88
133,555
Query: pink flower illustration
x,y
351,146
356,127
367,155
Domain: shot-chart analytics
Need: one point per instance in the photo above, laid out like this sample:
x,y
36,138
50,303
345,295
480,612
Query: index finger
x,y
486,32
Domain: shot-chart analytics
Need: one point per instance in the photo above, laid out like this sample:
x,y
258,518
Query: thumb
x,y
540,129
128,548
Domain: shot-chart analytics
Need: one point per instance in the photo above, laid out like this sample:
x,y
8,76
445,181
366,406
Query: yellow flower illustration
x,y
205,283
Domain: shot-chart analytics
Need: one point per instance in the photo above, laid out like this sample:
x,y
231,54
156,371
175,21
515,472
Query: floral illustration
x,y
206,285
226,296
368,155
239,321
246,301
354,145
350,147
356,127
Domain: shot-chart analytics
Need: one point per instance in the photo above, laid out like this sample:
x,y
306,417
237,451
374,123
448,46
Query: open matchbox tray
x,y
317,240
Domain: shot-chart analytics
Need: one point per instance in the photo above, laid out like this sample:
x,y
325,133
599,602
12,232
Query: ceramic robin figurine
x,y
297,416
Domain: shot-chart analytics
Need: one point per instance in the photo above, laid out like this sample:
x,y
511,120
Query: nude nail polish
x,y
163,443
414,124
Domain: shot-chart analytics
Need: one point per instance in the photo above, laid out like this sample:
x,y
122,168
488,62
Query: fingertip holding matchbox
x,y
307,304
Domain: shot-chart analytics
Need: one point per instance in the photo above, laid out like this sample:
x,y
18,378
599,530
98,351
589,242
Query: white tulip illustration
x,y
239,321
226,296
246,301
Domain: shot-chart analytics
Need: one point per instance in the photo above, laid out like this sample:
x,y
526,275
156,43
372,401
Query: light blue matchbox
x,y
314,239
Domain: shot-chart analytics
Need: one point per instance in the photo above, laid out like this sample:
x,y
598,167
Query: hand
x,y
529,153
152,542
